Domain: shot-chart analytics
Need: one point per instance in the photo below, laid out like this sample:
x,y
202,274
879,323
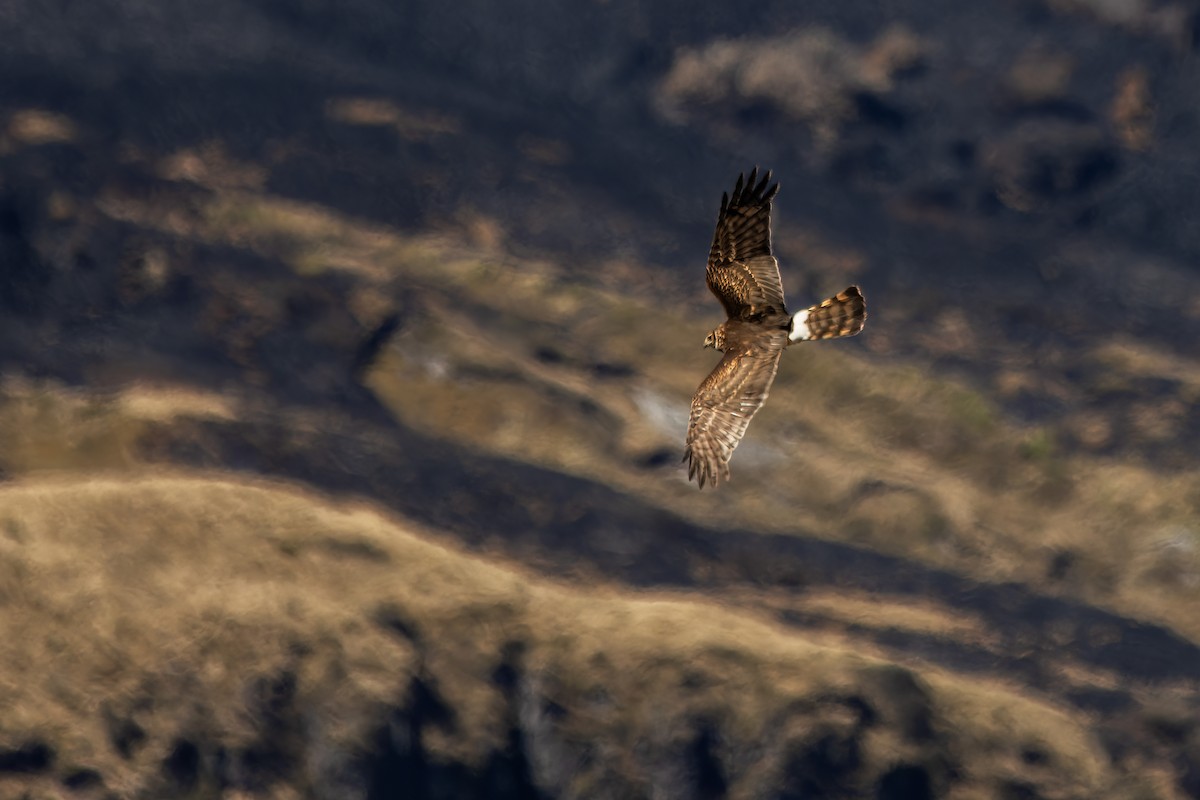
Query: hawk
x,y
744,276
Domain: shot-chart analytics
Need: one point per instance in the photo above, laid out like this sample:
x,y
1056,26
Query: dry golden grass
x,y
210,165
893,612
809,74
36,126
186,590
45,426
188,586
960,486
408,123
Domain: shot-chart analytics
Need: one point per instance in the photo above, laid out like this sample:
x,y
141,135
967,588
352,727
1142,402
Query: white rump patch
x,y
799,331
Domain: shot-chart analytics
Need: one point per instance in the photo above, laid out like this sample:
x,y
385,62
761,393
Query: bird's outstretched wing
x,y
725,402
741,271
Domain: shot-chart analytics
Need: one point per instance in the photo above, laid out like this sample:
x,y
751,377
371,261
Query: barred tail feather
x,y
841,315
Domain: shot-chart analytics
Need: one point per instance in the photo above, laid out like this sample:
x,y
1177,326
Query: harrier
x,y
744,276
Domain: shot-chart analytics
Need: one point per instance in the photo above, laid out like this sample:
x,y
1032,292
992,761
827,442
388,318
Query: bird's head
x,y
716,339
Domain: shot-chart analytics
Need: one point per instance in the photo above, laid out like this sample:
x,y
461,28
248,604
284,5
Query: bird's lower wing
x,y
723,406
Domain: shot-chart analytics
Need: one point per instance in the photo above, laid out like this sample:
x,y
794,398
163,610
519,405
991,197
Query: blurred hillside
x,y
444,264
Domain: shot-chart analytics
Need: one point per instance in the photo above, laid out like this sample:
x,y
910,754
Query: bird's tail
x,y
841,315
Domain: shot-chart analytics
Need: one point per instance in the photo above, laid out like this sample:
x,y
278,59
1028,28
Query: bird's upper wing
x,y
726,400
741,271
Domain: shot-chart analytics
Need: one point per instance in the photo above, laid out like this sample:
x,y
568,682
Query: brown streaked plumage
x,y
744,276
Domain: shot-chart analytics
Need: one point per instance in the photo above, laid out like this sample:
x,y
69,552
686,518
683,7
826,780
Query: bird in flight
x,y
744,276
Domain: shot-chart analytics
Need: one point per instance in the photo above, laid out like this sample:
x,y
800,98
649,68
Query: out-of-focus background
x,y
345,357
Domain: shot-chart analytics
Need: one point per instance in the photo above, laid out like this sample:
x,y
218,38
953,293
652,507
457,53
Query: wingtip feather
x,y
762,186
749,189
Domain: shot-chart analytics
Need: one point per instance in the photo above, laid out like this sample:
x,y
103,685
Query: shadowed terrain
x,y
345,354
